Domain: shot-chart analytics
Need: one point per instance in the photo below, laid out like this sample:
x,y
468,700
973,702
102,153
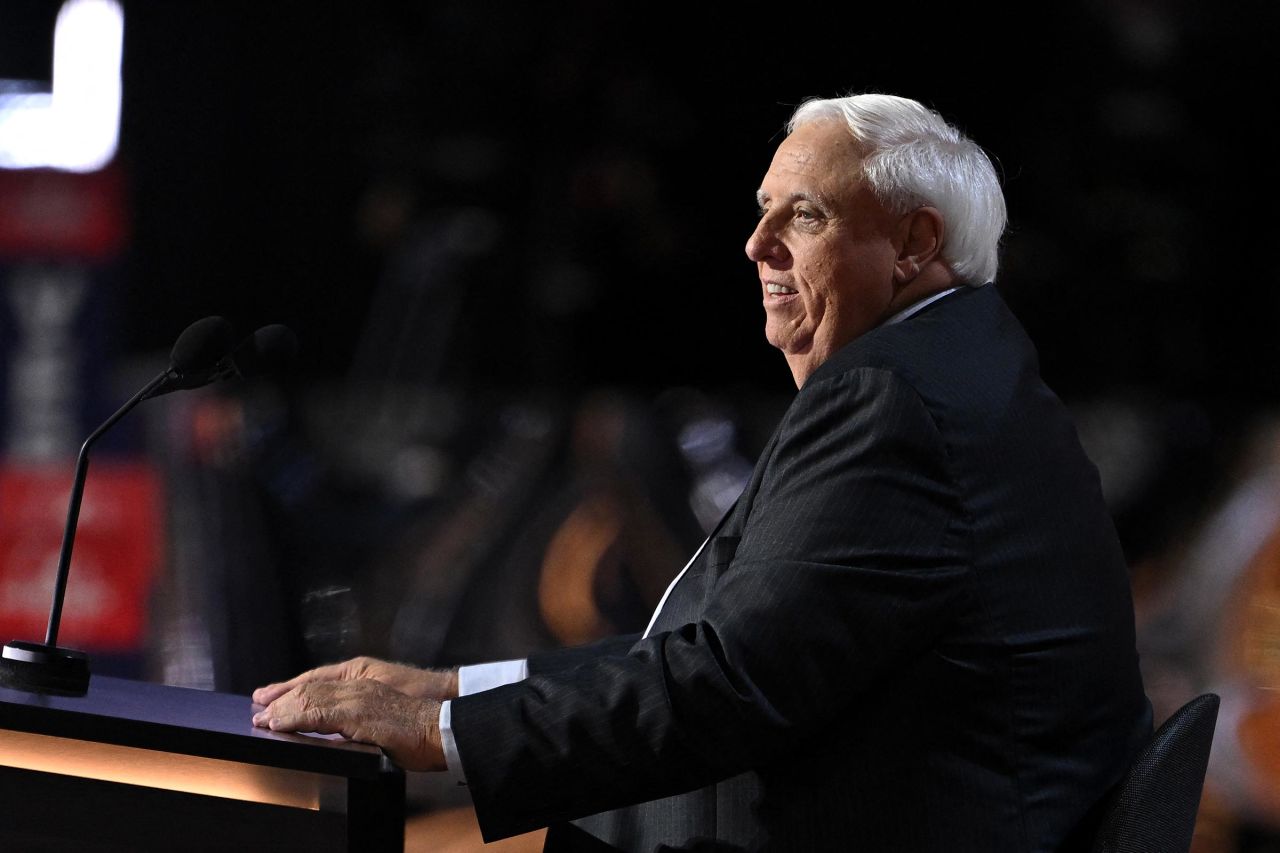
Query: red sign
x,y
117,550
62,214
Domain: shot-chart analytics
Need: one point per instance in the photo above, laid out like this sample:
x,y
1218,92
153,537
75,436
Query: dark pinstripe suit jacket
x,y
914,632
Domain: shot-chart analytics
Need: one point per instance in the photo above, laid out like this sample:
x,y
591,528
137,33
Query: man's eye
x,y
805,215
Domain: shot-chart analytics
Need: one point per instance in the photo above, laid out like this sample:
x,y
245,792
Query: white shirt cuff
x,y
475,679
486,676
451,758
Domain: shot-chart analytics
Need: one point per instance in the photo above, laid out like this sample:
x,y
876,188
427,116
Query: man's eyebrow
x,y
762,197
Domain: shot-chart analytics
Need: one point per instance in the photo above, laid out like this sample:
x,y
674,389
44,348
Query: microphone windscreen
x,y
202,345
267,350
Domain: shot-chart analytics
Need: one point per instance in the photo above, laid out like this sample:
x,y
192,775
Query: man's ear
x,y
921,233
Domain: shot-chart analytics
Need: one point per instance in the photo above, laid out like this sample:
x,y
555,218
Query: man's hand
x,y
366,710
436,684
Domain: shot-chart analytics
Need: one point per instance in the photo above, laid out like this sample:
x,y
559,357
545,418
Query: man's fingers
x,y
306,721
332,672
270,693
324,707
310,720
363,710
296,711
406,679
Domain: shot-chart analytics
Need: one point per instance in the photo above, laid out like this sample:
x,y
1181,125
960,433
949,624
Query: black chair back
x,y
1153,809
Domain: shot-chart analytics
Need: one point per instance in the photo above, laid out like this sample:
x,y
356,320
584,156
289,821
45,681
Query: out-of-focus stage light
x,y
75,127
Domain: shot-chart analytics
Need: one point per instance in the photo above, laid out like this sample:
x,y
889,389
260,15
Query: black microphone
x,y
195,357
202,354
265,351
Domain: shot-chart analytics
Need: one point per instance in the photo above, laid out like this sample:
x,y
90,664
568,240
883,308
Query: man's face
x,y
824,248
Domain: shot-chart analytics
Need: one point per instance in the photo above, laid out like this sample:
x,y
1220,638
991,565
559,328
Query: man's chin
x,y
790,341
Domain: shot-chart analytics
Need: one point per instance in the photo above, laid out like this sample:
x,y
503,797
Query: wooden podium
x,y
133,766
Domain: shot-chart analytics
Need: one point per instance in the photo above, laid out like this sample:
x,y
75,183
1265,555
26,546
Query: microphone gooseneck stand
x,y
203,354
44,666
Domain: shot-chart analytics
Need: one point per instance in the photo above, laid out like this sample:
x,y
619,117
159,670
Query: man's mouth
x,y
779,289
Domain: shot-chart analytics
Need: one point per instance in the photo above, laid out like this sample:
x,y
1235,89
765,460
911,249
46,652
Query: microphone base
x,y
38,668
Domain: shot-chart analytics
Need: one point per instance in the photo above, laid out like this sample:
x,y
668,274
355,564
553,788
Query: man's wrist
x,y
429,718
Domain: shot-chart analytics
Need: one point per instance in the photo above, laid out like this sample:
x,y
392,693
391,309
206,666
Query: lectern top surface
x,y
179,719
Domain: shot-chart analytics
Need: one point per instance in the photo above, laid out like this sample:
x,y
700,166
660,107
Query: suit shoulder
x,y
966,345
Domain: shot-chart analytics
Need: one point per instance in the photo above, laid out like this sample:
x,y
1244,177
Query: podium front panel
x,y
139,766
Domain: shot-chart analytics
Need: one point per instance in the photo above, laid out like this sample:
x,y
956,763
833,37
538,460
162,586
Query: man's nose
x,y
763,243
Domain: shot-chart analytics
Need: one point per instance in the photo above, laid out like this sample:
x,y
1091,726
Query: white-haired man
x,y
913,632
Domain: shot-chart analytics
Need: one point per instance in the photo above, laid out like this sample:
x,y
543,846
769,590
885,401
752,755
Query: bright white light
x,y
76,128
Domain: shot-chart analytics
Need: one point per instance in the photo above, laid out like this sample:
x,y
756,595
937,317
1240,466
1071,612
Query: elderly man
x,y
913,632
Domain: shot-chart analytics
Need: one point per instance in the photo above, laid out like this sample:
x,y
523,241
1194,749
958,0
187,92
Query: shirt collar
x,y
910,310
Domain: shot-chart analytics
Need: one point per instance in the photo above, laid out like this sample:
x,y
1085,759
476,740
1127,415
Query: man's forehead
x,y
813,153
798,154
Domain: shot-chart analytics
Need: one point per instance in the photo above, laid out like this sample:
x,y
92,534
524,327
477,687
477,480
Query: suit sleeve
x,y
852,560
557,660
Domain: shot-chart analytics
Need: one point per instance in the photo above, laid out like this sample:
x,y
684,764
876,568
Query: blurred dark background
x,y
566,189
532,369
279,154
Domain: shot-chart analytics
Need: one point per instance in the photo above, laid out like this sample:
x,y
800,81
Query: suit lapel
x,y
735,521
683,599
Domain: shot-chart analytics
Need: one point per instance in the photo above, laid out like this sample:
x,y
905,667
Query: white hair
x,y
912,157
